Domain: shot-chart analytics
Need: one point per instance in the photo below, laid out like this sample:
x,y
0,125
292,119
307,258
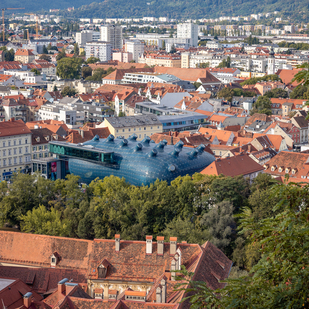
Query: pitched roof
x,y
291,160
287,76
24,52
233,166
13,127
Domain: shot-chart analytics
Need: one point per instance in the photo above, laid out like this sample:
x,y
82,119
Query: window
x,y
26,149
15,160
9,152
26,141
10,161
3,144
19,141
9,143
14,142
15,151
4,162
4,153
20,160
20,150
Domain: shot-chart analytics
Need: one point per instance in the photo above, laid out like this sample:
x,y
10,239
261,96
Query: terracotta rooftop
x,y
24,52
13,127
233,166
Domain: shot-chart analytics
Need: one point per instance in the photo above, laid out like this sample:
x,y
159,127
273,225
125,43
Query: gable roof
x,y
13,127
233,166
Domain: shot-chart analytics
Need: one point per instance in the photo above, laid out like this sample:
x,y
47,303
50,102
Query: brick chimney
x,y
160,245
173,245
27,299
148,244
117,242
69,286
61,286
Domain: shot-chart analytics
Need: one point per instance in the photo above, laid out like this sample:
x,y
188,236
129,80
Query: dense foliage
x,y
262,106
279,279
195,209
69,68
254,80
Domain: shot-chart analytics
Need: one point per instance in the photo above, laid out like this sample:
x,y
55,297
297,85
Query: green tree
x,y
69,68
302,76
55,88
197,85
42,221
61,55
204,65
45,57
280,278
277,93
262,105
45,50
226,93
92,60
163,44
68,92
86,71
9,55
173,49
36,71
76,49
299,92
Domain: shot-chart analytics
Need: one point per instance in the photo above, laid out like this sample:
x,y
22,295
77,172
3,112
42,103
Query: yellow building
x,y
24,56
172,61
142,126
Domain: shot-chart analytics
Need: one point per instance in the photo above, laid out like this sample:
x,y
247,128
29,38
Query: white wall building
x,y
136,48
188,30
15,145
99,49
113,35
83,37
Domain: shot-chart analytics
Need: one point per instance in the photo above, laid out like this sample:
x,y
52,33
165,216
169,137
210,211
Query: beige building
x,y
172,61
24,56
15,145
142,126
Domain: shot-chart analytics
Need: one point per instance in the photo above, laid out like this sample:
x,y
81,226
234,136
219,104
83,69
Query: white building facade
x,y
113,35
188,30
99,49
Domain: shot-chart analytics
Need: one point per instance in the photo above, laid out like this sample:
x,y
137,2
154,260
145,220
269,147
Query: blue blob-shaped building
x,y
139,162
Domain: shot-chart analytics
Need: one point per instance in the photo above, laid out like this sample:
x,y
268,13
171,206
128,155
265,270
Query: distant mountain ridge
x,y
169,8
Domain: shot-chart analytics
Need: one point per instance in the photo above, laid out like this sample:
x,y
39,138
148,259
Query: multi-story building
x,y
24,56
99,49
142,126
15,145
162,60
136,48
113,35
83,37
188,30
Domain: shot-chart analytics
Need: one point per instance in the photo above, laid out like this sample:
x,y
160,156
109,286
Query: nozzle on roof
x,y
153,152
179,144
165,142
146,140
161,145
133,137
96,138
110,138
201,148
138,147
193,153
123,143
175,152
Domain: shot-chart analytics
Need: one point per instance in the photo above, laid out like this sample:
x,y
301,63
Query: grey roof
x,y
171,99
131,121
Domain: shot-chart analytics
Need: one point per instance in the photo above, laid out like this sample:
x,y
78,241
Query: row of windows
x,y
134,129
14,151
34,148
196,121
41,155
13,143
13,161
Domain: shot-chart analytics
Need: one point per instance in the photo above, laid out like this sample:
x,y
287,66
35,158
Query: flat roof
x,y
5,282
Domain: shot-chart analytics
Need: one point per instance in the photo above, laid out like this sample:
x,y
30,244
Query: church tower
x,y
271,62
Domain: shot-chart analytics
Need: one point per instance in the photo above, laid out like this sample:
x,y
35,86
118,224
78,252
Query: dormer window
x,y
37,139
287,170
102,269
54,259
47,138
294,170
273,168
280,169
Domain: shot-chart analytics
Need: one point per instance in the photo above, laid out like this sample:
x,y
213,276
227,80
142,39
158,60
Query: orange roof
x,y
287,76
4,77
233,166
23,52
13,127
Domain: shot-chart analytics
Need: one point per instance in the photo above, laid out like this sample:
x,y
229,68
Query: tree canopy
x,y
69,68
262,105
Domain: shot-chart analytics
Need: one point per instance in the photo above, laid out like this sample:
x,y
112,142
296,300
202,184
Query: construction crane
x,y
3,25
37,24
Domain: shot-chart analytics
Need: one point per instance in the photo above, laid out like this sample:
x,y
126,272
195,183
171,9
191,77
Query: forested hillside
x,y
170,8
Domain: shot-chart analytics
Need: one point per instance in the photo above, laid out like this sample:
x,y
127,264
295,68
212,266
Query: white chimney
x,y
148,244
160,245
117,242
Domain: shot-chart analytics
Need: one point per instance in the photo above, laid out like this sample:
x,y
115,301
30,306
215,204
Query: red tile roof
x,y
13,127
233,166
24,52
